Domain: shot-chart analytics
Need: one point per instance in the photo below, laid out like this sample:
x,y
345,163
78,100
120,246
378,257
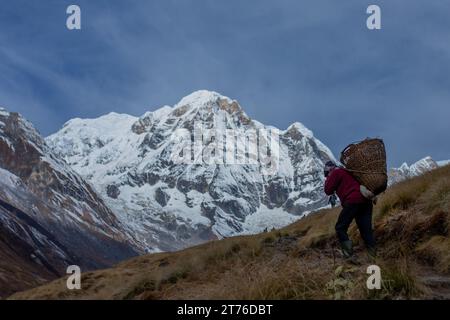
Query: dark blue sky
x,y
284,60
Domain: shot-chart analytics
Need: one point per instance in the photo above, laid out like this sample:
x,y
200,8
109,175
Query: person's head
x,y
329,166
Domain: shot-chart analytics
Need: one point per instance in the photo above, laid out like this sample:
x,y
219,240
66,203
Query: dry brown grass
x,y
300,261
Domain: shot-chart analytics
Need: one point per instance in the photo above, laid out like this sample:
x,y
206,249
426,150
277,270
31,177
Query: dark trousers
x,y
362,213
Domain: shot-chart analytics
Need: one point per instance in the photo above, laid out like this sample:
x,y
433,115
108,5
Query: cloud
x,y
285,61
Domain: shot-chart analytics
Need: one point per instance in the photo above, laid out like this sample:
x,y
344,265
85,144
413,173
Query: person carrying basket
x,y
357,186
354,207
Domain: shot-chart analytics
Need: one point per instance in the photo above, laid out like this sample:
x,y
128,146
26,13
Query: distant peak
x,y
112,116
115,115
4,112
299,127
425,162
15,117
404,166
426,159
442,163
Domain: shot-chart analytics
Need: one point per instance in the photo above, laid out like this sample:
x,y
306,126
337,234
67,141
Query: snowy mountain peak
x,y
203,105
14,127
427,161
442,163
300,128
105,120
201,98
406,171
404,166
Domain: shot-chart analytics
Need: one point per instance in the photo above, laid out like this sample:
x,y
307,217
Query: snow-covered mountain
x,y
169,204
49,215
406,171
442,163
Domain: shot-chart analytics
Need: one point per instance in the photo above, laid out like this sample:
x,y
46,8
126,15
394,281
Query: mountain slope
x,y
29,255
170,204
298,262
48,212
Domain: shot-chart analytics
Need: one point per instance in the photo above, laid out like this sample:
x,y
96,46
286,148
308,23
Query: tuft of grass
x,y
436,252
343,283
268,240
314,229
147,285
431,188
277,280
399,280
174,277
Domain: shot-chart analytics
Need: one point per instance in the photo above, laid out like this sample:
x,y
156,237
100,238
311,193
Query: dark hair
x,y
330,164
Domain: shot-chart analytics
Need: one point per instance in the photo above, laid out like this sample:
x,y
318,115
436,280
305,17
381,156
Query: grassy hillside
x,y
301,261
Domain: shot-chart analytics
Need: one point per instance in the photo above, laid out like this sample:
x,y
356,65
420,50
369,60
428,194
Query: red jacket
x,y
345,185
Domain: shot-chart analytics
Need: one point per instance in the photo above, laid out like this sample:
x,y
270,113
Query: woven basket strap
x,y
366,172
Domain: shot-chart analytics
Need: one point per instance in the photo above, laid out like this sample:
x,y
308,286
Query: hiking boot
x,y
347,249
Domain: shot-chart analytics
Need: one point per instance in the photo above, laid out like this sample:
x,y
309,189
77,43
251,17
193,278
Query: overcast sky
x,y
310,61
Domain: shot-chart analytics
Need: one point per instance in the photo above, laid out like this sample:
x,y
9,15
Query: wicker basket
x,y
366,160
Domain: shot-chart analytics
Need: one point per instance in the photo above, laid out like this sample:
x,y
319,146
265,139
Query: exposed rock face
x,y
112,191
169,204
49,210
161,197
